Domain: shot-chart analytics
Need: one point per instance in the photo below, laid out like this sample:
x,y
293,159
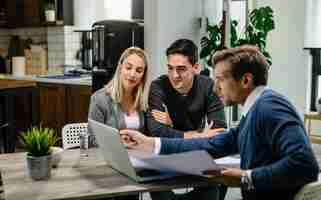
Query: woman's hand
x,y
162,117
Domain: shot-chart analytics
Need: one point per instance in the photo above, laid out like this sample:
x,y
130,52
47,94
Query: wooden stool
x,y
308,117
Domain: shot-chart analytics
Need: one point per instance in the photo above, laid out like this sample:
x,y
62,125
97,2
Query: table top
x,y
78,178
13,84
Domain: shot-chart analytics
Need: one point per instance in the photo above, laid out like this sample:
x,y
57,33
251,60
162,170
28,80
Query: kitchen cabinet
x,y
30,13
3,14
62,104
78,99
52,105
23,13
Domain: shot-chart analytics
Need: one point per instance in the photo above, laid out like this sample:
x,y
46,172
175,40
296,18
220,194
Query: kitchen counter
x,y
84,80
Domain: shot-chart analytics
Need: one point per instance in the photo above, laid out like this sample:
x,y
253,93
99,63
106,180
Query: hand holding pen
x,y
162,117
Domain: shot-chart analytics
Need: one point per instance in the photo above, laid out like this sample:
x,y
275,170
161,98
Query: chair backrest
x,y
311,191
70,134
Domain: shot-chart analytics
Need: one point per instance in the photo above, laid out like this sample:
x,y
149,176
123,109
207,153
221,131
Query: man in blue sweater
x,y
276,156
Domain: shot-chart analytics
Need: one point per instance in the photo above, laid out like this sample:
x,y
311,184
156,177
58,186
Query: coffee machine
x,y
110,38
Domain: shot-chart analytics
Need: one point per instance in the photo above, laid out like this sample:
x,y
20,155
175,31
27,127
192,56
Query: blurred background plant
x,y
260,23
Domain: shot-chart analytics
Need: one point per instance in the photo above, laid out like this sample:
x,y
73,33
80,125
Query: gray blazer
x,y
105,110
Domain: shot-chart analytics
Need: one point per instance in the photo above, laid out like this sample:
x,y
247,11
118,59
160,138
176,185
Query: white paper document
x,y
192,162
228,161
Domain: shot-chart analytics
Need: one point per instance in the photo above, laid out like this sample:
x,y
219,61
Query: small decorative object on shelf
x,y
50,10
38,142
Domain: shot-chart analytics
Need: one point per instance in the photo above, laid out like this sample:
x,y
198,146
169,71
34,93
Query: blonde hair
x,y
115,89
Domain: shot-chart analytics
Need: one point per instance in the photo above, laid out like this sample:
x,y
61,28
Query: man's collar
x,y
251,99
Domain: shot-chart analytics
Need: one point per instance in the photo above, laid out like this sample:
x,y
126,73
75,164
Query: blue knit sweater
x,y
272,142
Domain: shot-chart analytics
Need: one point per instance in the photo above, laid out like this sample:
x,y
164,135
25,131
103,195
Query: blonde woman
x,y
123,101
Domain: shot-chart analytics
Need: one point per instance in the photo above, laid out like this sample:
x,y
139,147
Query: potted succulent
x,y
50,10
38,142
319,105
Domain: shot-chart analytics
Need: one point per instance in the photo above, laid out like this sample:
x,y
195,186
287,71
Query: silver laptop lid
x,y
113,151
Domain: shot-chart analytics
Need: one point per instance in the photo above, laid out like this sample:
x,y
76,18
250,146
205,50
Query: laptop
x,y
114,153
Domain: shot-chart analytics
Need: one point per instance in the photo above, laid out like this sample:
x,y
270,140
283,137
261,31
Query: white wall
x,y
85,13
166,21
289,71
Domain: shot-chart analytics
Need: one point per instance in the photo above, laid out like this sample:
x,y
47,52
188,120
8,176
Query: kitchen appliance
x,y
110,39
84,54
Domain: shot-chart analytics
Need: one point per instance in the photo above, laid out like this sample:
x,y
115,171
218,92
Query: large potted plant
x,y
260,23
38,141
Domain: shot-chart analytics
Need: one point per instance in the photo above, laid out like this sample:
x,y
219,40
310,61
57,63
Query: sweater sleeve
x,y
96,112
221,145
296,164
157,129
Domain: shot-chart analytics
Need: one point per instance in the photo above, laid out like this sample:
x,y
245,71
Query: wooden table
x,y
78,178
308,118
9,90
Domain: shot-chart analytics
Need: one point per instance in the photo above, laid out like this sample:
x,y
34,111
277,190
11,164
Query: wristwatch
x,y
246,182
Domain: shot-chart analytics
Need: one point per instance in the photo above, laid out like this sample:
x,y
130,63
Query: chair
x,y
311,191
308,118
70,134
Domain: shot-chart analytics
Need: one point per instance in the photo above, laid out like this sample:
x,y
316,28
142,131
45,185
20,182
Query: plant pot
x,y
39,168
318,106
50,15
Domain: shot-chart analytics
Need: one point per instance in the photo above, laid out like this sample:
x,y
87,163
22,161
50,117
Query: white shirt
x,y
251,99
132,121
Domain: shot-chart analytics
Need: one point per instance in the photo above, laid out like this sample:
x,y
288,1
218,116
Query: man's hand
x,y
162,117
229,176
207,132
138,141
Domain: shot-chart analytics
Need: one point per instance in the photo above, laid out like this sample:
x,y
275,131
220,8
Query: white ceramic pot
x,y
50,15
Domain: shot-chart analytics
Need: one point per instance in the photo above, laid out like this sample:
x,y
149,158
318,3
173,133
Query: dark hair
x,y
244,59
186,48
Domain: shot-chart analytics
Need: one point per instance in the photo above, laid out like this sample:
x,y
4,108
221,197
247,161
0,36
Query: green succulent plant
x,y
38,141
260,23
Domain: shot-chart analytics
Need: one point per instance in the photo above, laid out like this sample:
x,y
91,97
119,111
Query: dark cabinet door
x,y
3,14
15,13
32,13
24,13
78,99
52,106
